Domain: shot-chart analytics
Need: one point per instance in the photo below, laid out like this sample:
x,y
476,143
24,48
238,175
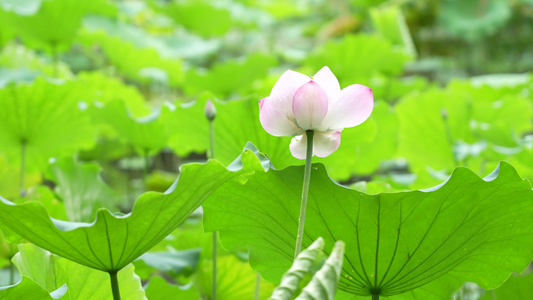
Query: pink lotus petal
x,y
284,89
310,105
325,143
298,146
327,80
353,106
274,122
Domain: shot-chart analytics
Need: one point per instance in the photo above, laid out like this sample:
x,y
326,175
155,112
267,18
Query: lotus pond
x,y
266,149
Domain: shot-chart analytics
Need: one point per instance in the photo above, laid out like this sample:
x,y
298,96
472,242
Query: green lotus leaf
x,y
473,20
159,289
131,60
51,272
235,280
439,129
81,188
390,23
44,117
516,287
241,114
9,179
53,24
146,134
28,289
174,262
419,243
362,57
97,87
113,241
230,77
193,16
44,195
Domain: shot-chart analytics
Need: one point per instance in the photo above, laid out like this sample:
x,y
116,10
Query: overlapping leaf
x,y
146,134
28,289
111,242
440,129
52,272
81,189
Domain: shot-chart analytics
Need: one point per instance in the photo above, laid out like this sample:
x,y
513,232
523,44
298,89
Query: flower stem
x,y
305,191
375,296
257,286
215,240
114,285
22,166
211,140
214,279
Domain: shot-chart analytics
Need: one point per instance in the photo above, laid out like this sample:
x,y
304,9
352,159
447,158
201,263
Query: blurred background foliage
x,y
114,92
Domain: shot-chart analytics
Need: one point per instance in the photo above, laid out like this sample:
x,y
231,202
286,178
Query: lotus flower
x,y
298,103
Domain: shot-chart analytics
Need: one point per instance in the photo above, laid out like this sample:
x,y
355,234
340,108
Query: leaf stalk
x,y
114,285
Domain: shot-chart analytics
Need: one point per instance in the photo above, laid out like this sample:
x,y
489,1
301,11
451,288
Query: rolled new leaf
x,y
324,283
301,266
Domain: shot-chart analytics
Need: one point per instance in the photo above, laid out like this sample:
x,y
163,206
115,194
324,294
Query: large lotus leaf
x,y
131,61
113,241
362,57
46,118
51,272
159,289
97,87
466,229
28,289
54,23
474,20
146,134
193,15
230,77
235,280
81,188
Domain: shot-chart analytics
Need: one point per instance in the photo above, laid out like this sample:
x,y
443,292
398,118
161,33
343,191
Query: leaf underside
x,y
468,229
